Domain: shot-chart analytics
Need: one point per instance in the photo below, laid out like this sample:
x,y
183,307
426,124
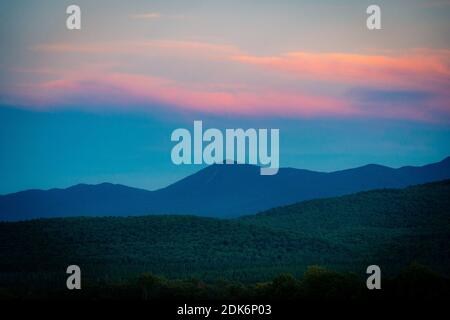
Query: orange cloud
x,y
418,69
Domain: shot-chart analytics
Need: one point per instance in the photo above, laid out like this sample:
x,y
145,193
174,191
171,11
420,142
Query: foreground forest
x,y
414,282
252,255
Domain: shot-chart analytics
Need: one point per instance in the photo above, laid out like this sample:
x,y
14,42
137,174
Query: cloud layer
x,y
222,79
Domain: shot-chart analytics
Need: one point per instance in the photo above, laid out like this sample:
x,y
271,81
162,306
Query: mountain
x,y
388,227
216,191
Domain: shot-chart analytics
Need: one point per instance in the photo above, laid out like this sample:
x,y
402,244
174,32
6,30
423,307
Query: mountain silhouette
x,y
220,190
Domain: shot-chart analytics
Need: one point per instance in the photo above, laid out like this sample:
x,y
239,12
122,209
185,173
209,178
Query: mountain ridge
x,y
220,190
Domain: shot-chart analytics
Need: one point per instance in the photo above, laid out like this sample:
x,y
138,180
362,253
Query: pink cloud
x,y
133,89
110,81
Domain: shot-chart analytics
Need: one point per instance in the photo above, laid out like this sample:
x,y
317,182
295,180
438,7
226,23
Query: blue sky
x,y
59,149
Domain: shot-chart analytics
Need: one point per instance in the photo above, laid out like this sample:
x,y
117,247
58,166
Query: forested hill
x,y
391,228
420,206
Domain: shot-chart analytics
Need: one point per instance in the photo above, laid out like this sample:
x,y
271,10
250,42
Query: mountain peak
x,y
100,186
373,166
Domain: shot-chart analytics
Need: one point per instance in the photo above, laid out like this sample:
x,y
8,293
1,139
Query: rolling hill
x,y
216,191
388,227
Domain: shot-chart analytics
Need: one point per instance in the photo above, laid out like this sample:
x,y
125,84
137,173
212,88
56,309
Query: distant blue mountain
x,y
218,191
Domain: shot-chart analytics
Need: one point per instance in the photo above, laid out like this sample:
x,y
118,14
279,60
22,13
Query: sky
x,y
99,104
